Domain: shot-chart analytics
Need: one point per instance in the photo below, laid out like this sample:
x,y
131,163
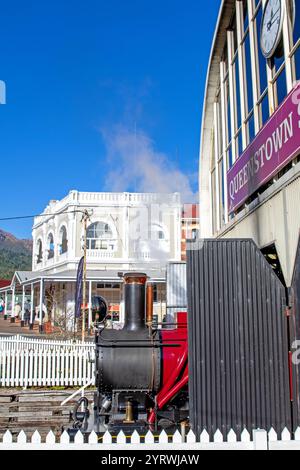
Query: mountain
x,y
15,255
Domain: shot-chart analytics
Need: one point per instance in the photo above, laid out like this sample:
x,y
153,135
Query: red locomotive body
x,y
174,363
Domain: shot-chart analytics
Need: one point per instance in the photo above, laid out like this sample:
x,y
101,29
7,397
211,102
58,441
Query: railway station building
x,y
250,138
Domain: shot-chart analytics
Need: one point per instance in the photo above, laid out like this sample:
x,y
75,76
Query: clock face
x,y
271,27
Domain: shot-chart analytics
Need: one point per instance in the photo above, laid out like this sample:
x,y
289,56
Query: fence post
x,y
260,439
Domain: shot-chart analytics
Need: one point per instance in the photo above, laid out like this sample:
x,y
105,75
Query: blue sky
x,y
83,76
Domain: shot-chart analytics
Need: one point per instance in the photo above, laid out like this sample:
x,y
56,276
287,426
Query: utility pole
x,y
85,218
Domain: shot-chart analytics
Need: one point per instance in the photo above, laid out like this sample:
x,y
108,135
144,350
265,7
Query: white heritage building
x,y
126,232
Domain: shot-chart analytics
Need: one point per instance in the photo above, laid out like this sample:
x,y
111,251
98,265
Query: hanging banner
x,y
275,145
78,295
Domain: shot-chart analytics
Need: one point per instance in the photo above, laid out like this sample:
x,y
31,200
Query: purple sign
x,y
277,143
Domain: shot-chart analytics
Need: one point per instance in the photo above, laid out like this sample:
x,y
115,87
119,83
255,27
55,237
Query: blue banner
x,y
78,295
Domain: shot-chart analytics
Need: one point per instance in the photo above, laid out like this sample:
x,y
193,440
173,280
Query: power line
x,y
39,215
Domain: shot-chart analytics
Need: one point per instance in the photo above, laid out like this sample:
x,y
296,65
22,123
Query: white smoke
x,y
136,166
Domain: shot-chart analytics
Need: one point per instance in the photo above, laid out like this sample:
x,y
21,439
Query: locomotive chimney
x,y
135,301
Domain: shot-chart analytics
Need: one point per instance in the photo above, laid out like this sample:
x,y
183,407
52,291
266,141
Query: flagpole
x,y
78,294
85,219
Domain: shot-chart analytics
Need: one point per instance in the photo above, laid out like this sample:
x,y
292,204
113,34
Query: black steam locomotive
x,y
141,372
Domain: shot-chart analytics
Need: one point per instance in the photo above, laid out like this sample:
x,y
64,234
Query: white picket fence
x,y
31,362
25,342
261,441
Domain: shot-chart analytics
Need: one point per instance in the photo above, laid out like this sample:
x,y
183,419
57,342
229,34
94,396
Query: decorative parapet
x,y
75,198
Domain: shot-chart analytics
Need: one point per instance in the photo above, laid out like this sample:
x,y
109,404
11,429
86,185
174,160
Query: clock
x,y
271,27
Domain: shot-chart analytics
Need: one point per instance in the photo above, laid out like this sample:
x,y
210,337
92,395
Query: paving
x,y
6,327
12,329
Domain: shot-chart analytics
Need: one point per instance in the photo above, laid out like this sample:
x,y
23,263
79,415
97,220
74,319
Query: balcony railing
x,y
101,254
142,256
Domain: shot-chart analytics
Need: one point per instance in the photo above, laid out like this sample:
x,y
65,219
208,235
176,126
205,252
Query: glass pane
x,y
281,87
297,59
240,144
265,109
99,230
248,73
230,156
246,18
221,190
262,60
228,111
297,22
220,129
213,196
251,128
238,95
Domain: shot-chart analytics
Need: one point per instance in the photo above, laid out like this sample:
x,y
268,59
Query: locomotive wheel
x,y
165,423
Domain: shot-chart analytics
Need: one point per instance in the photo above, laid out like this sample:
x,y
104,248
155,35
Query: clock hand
x,y
271,23
274,14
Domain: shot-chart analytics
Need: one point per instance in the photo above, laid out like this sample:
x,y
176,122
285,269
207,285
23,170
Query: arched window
x,y
157,233
39,251
159,244
63,245
100,237
50,244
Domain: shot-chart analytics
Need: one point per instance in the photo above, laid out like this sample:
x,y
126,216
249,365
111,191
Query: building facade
x,y
124,232
250,139
190,226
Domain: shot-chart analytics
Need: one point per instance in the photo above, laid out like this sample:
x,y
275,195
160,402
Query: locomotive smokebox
x,y
129,359
135,301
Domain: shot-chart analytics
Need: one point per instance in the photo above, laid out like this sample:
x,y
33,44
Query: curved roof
x,y
227,10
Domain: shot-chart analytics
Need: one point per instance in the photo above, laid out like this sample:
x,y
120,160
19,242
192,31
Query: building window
x,y
100,237
50,243
237,101
248,73
281,87
297,58
195,232
228,113
296,36
39,251
297,20
265,109
262,60
63,246
157,232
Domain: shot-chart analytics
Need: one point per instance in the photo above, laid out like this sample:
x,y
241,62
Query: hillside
x,y
15,255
